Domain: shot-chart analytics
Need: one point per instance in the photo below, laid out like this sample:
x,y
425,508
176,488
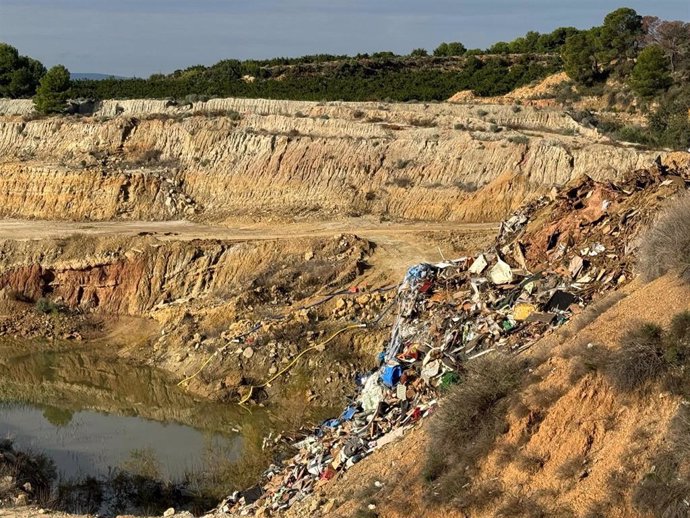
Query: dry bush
x,y
639,360
545,397
506,453
423,123
677,355
618,483
598,510
531,464
518,139
26,468
521,506
572,468
666,245
403,182
465,427
587,359
663,493
401,164
481,496
678,339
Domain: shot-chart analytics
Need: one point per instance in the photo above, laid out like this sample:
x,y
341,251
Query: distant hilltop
x,y
94,77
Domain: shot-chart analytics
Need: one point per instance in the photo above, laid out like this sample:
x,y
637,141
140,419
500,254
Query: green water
x,y
91,413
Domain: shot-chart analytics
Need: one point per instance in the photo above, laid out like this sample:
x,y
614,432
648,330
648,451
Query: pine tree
x,y
652,73
51,95
579,58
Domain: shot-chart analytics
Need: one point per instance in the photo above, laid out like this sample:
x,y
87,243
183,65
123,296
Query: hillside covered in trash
x,y
553,261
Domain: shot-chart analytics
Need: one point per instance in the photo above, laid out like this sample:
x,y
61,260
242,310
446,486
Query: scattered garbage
x,y
549,260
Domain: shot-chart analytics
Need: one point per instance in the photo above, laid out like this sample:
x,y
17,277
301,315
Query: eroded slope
x,y
258,159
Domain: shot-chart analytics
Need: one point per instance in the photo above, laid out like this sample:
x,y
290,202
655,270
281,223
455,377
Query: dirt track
x,y
185,230
399,244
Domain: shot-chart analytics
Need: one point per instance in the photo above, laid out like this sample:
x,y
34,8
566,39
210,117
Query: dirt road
x,y
398,244
186,230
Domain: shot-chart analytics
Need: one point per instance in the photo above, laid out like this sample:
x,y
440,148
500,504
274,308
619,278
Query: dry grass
x,y
465,427
666,246
639,360
521,506
591,313
572,468
26,468
663,492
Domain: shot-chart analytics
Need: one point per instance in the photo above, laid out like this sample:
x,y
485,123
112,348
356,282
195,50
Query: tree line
x,y
649,56
375,76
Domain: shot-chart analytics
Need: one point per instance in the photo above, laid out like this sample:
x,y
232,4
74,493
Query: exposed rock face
x,y
239,158
136,275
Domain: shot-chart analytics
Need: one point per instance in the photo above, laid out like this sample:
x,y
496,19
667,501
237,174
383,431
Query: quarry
x,y
216,280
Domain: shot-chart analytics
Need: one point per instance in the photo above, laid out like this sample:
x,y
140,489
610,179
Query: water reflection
x,y
88,412
88,443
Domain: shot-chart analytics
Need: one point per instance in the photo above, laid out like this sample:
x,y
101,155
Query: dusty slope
x,y
278,161
585,420
134,267
294,160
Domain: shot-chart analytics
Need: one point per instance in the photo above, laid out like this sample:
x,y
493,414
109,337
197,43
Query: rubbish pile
x,y
550,259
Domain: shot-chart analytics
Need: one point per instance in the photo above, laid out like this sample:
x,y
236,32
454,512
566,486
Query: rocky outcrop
x,y
256,158
136,275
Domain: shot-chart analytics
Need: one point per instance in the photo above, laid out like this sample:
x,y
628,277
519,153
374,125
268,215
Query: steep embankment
x,y
250,159
576,446
120,275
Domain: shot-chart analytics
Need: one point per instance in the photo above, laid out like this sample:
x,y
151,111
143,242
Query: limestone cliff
x,y
252,159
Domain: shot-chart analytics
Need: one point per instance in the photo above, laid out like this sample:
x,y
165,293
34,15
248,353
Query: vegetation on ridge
x,y
635,56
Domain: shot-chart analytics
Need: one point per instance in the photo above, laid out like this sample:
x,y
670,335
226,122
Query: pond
x,y
88,443
92,413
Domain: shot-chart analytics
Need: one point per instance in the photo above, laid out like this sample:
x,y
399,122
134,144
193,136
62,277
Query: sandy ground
x,y
399,244
186,230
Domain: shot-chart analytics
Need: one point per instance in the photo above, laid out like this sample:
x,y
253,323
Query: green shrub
x,y
636,134
51,95
46,306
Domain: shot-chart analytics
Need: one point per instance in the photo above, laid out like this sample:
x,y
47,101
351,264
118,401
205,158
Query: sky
x,y
142,37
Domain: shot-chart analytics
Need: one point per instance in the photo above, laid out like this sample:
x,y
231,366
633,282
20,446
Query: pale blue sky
x,y
141,37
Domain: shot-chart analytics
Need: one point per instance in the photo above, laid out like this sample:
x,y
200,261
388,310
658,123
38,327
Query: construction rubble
x,y
550,259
